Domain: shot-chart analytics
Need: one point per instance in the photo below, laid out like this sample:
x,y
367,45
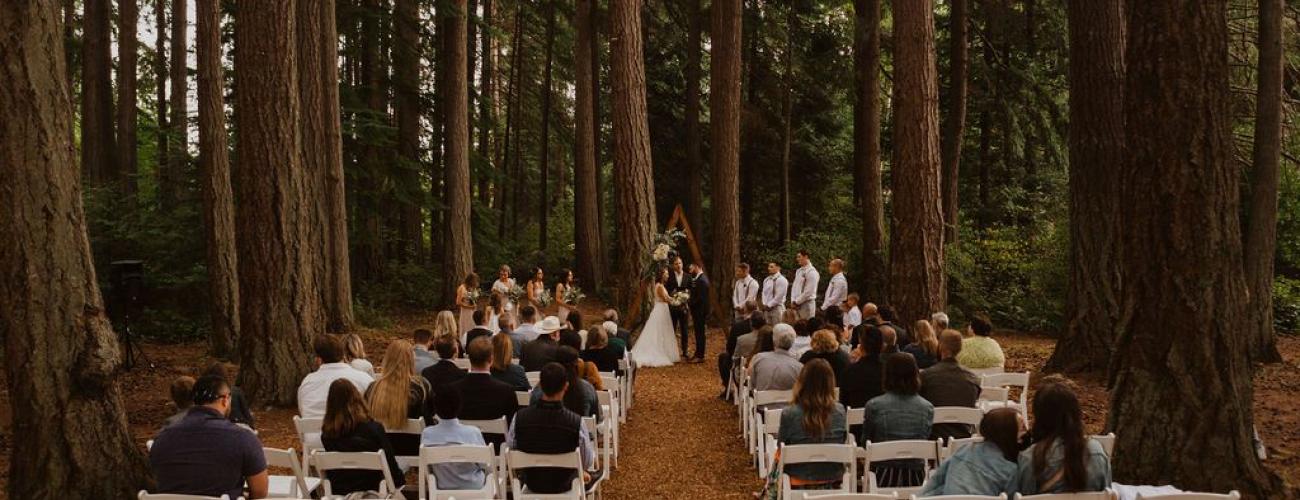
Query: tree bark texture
x,y
724,135
787,126
633,180
694,147
160,69
214,182
866,147
543,200
916,274
459,256
97,148
62,356
1183,380
406,79
128,17
487,103
954,125
178,135
1261,227
279,313
586,230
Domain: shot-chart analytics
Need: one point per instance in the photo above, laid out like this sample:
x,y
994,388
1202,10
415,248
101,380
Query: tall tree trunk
x,y
459,257
1096,158
97,152
694,148
128,18
633,180
214,179
587,240
507,203
544,201
62,357
724,112
322,141
1261,228
518,178
370,263
866,146
954,125
278,316
787,127
70,46
178,153
597,134
487,103
162,176
471,52
1182,263
406,80
916,278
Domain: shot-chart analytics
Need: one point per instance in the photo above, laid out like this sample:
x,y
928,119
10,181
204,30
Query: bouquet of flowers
x,y
573,295
544,298
515,294
472,295
681,297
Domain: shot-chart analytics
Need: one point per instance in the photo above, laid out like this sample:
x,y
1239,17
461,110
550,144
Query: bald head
x,y
949,344
869,310
890,336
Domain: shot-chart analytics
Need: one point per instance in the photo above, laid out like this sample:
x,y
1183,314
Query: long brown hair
x,y
814,392
344,410
502,352
926,338
390,395
1057,416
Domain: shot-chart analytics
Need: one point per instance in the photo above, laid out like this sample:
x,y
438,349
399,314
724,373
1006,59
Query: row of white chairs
x,y
1098,495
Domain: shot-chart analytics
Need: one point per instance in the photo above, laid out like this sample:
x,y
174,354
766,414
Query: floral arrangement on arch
x,y
662,248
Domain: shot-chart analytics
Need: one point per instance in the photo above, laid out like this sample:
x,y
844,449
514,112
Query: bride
x,y
657,345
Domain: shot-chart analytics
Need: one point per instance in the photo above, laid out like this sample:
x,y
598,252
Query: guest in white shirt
x,y
744,291
852,315
803,293
527,330
774,293
838,289
315,387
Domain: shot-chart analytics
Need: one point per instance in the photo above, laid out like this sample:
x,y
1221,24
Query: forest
x,y
1121,176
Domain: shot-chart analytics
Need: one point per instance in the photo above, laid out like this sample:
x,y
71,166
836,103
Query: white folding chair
x,y
758,401
459,454
517,460
767,441
533,378
1008,381
1093,495
1002,496
296,486
612,421
308,430
954,445
958,415
599,470
625,365
415,427
614,385
980,372
1231,495
494,426
991,398
524,398
144,495
849,496
927,451
326,461
818,453
1107,443
855,416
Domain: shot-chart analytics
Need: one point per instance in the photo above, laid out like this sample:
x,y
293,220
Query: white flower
x,y
661,252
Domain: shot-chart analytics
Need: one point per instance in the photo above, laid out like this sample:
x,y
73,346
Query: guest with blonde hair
x,y
926,347
503,366
445,325
826,345
354,353
400,394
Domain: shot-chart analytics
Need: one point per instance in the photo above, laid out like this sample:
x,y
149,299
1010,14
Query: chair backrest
x,y
524,398
495,426
326,461
609,380
818,453
412,426
903,450
1008,380
1107,443
856,416
144,495
955,445
850,496
958,415
517,460
1002,496
772,397
772,421
533,378
1092,495
1231,495
287,458
980,372
994,394
457,454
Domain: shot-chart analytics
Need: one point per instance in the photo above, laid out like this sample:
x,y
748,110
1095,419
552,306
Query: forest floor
x,y
680,441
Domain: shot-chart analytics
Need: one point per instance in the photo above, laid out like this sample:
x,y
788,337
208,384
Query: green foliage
x,y
1286,305
1018,276
1288,220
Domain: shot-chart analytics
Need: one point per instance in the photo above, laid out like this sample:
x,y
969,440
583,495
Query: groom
x,y
699,305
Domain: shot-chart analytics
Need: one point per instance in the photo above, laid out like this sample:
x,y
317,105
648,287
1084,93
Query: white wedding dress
x,y
657,345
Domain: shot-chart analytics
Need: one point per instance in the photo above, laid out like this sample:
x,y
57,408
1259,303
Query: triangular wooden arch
x,y
675,221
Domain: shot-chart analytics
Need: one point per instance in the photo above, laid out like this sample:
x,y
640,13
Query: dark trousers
x,y
681,324
724,368
700,320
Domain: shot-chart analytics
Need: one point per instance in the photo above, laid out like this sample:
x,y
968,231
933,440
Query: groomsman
x,y
678,281
774,293
838,291
803,293
743,292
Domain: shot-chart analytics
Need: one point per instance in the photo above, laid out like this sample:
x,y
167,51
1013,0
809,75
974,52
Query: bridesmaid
x,y
501,289
536,284
466,304
561,288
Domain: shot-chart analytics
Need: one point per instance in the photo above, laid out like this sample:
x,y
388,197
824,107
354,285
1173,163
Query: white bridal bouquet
x,y
573,295
681,297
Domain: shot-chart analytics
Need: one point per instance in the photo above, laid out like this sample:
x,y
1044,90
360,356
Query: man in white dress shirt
x,y
803,293
838,290
314,389
774,293
743,292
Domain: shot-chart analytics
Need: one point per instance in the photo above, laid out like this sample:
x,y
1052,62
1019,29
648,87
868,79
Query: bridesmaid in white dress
x,y
466,304
492,314
501,289
562,288
657,345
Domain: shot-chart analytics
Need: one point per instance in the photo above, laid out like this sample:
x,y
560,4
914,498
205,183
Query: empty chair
x,y
326,461
926,452
1009,381
1107,443
517,461
1231,495
144,495
1092,495
844,454
459,454
295,486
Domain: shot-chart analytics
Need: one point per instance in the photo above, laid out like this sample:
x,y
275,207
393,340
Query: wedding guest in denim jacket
x,y
1063,459
984,468
899,414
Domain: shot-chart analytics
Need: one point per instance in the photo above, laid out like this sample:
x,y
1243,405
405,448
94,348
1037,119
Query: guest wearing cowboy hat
x,y
538,353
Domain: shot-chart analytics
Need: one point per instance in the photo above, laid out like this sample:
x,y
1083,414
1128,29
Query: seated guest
x,y
863,378
852,314
480,327
572,323
447,325
354,353
899,414
623,334
979,351
445,370
890,318
314,389
814,417
776,370
581,397
762,344
803,331
450,432
586,369
207,454
182,390
503,367
526,331
1063,459
743,326
541,351
611,332
948,384
939,321
424,358
890,337
983,468
600,351
482,396
400,394
870,314
826,345
834,321
926,347
549,428
239,412
348,428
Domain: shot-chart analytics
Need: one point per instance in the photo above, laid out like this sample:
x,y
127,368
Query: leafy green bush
x,y
1018,276
1286,305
